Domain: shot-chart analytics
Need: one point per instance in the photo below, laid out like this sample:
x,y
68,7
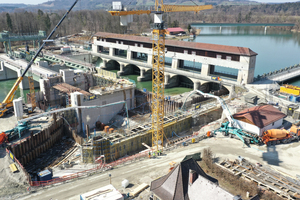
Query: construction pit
x,y
70,153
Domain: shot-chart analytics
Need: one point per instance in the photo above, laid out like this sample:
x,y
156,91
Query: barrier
x,y
89,171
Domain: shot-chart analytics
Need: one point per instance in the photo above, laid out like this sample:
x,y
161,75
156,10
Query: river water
x,y
276,49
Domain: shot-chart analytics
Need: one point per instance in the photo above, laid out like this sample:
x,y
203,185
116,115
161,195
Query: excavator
x,y
7,103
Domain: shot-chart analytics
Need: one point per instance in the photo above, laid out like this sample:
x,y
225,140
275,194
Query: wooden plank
x,y
13,168
139,189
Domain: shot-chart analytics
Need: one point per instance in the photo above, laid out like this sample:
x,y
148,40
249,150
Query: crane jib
x,y
49,36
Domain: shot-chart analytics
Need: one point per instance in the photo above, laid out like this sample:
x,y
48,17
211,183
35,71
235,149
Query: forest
x,y
27,22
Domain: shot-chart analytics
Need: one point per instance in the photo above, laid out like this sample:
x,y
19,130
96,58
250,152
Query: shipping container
x,y
45,175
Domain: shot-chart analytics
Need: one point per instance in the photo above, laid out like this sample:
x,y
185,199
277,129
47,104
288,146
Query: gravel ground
x,y
10,183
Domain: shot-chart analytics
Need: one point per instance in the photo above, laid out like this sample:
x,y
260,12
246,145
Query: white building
x,y
259,119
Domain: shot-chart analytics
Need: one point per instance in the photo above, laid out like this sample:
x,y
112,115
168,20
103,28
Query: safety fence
x,y
20,166
99,168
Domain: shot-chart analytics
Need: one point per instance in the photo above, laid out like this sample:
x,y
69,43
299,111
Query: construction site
x,y
90,133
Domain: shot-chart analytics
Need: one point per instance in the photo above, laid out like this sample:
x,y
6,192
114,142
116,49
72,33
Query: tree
x,y
175,23
47,23
189,28
239,19
9,22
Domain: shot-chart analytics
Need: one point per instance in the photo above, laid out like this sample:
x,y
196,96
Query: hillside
x,y
106,4
8,7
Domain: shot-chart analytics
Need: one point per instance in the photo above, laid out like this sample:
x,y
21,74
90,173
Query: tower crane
x,y
158,58
7,103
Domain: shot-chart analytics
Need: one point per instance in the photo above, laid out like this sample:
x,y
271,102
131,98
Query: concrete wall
x,y
88,57
134,143
6,73
76,78
105,114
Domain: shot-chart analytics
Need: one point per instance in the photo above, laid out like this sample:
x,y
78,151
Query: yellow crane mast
x,y
158,60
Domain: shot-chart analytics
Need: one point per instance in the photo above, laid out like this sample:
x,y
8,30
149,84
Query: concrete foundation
x,y
116,145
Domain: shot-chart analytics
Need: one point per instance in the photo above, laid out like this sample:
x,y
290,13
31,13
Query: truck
x,y
277,136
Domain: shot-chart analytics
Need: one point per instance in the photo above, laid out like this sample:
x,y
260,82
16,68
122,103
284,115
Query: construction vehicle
x,y
158,57
19,130
231,127
7,103
276,136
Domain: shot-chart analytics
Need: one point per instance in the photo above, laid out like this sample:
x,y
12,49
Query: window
x,y
131,143
124,146
273,123
228,57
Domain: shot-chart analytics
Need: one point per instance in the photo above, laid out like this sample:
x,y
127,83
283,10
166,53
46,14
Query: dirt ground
x,y
10,183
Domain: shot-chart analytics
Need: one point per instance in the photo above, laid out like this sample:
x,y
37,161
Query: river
x,y
276,49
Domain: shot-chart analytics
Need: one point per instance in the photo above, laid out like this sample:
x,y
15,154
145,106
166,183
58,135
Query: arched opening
x,y
214,88
131,69
112,65
180,81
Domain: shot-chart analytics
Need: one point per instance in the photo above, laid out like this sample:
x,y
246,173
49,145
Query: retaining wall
x,y
31,147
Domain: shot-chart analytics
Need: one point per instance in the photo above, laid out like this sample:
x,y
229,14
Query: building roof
x,y
174,185
175,29
243,51
260,116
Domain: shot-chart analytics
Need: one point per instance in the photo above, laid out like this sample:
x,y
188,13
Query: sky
x,y
41,1
24,1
